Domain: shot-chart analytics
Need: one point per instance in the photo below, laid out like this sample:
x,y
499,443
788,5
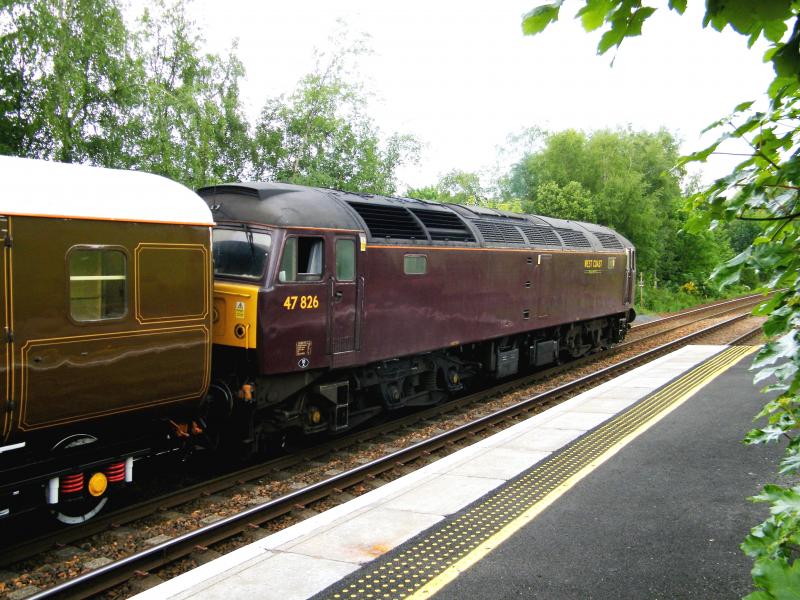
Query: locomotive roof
x,y
49,189
401,220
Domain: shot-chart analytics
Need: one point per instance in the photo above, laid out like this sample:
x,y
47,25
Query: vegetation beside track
x,y
762,191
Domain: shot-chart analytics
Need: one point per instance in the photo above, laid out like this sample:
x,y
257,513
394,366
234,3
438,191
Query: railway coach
x,y
330,306
105,317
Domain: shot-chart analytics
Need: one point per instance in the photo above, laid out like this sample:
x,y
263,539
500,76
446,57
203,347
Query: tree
x,y
764,189
571,201
190,125
322,136
620,178
66,84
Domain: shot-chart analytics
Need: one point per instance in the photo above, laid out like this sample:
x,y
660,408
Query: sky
x,y
461,77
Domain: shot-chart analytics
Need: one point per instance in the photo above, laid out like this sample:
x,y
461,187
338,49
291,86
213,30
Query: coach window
x,y
97,284
415,264
345,260
302,259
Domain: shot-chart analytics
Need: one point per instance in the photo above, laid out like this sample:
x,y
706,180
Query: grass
x,y
665,299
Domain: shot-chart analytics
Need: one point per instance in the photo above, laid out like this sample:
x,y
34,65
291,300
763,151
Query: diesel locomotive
x,y
140,317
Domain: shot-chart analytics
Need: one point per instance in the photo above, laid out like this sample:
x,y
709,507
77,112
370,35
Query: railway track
x,y
251,519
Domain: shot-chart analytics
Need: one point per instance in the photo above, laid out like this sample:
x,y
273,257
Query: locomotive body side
x,y
367,303
467,296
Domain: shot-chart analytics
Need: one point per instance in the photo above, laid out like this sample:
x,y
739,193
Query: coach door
x,y
6,344
344,298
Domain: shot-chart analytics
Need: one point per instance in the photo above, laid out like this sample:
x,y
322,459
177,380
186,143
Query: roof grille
x,y
392,222
573,238
489,232
608,240
540,236
499,233
444,226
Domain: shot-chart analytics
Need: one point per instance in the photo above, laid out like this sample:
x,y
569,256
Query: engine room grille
x,y
573,238
444,226
499,233
608,240
392,222
540,236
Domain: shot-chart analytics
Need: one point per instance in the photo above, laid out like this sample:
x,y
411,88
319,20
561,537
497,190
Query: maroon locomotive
x,y
331,306
327,307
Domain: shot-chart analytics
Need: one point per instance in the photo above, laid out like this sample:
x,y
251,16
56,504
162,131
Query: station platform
x,y
634,489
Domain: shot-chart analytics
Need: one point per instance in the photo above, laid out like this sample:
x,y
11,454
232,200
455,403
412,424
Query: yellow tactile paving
x,y
423,569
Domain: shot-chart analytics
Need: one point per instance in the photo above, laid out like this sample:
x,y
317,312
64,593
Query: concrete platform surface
x,y
306,558
663,519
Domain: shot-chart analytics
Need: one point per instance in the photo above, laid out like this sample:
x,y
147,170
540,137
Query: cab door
x,y
296,314
344,300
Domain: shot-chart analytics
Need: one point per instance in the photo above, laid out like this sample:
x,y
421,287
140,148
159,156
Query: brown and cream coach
x,y
320,309
105,312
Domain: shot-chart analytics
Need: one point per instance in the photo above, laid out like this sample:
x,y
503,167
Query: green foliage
x,y
67,80
764,192
626,180
193,129
455,187
321,135
76,84
570,201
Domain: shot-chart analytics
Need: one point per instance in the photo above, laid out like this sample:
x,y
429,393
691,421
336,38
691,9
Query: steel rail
x,y
754,299
123,570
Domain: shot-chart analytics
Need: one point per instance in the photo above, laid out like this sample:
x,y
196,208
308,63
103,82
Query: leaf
x,y
786,60
594,13
612,37
790,464
637,20
743,106
540,17
778,321
763,436
778,578
678,5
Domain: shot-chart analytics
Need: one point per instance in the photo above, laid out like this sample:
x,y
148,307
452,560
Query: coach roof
x,y
49,189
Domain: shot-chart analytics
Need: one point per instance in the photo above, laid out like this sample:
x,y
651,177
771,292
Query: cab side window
x,y
98,282
302,260
345,260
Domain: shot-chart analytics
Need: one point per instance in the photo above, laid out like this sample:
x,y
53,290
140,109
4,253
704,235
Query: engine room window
x,y
240,252
415,264
302,259
345,260
97,284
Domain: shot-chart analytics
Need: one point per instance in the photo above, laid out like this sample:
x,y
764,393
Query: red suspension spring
x,y
115,472
71,484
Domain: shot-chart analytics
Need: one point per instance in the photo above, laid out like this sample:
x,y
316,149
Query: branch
x,y
771,185
789,217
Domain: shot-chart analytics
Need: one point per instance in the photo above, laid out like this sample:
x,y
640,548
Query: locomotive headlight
x,y
98,483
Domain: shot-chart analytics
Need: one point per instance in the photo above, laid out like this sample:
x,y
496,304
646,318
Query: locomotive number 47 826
x,y
301,302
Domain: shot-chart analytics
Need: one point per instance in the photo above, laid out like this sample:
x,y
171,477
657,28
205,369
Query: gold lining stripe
x,y
109,219
25,376
526,250
458,543
141,247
